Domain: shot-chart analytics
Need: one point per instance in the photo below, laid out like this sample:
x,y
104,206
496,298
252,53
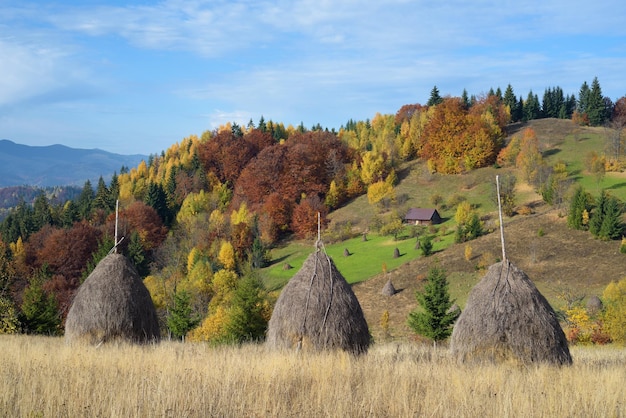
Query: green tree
x,y
157,199
180,319
435,319
511,101
69,214
102,199
258,257
435,97
42,212
579,204
248,314
596,108
583,98
531,108
137,254
426,245
85,200
605,222
39,308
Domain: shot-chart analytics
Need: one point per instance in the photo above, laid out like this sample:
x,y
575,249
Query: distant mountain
x,y
58,165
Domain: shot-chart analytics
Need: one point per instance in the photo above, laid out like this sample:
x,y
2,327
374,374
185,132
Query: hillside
x,y
565,264
58,165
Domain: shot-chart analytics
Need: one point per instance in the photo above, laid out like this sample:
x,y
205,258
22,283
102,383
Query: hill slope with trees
x,y
202,218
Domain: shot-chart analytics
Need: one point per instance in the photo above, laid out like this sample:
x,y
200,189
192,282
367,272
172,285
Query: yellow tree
x,y
614,297
372,168
227,255
242,215
378,191
529,159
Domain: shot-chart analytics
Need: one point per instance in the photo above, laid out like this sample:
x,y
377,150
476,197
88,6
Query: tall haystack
x,y
507,318
317,310
112,304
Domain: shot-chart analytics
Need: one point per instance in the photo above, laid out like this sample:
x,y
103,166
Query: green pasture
x,y
366,258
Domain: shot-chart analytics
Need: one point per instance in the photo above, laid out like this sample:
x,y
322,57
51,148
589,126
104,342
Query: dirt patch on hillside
x,y
563,263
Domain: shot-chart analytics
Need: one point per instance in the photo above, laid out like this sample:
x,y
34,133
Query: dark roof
x,y
420,214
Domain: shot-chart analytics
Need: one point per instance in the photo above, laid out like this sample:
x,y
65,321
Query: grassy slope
x,y
563,263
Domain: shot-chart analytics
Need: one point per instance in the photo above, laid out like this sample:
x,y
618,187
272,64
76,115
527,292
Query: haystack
x,y
507,318
317,310
389,289
112,304
594,305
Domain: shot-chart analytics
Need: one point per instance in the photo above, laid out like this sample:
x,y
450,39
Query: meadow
x,y
44,377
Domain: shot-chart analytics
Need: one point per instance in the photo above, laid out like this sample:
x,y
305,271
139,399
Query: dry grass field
x,y
44,377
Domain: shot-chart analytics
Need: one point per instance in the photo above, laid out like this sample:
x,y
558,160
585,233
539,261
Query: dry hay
x,y
317,310
389,289
594,305
112,304
507,318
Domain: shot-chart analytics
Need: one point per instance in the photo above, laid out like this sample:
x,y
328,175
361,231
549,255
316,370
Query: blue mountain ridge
x,y
58,165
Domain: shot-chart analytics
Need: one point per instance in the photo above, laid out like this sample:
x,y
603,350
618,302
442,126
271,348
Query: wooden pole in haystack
x,y
117,211
500,215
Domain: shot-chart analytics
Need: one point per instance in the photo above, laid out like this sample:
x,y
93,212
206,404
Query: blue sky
x,y
138,76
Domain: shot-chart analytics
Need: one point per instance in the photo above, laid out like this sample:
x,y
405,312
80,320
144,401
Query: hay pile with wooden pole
x,y
317,310
112,304
507,318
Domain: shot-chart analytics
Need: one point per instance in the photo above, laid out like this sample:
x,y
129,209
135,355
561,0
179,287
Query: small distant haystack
x,y
317,310
594,305
112,304
507,318
388,289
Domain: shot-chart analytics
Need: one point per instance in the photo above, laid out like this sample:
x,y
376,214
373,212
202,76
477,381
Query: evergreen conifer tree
x,y
180,319
612,226
596,108
597,216
39,308
248,321
578,205
435,319
435,98
85,201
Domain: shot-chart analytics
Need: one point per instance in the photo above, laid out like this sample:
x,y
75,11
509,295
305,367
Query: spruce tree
x,y
180,319
248,319
583,98
85,201
102,199
39,308
597,217
435,98
596,107
510,100
435,318
612,226
578,205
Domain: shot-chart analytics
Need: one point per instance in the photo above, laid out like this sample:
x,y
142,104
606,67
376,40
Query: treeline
x,y
199,218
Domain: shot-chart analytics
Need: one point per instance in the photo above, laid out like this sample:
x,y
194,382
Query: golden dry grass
x,y
43,377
